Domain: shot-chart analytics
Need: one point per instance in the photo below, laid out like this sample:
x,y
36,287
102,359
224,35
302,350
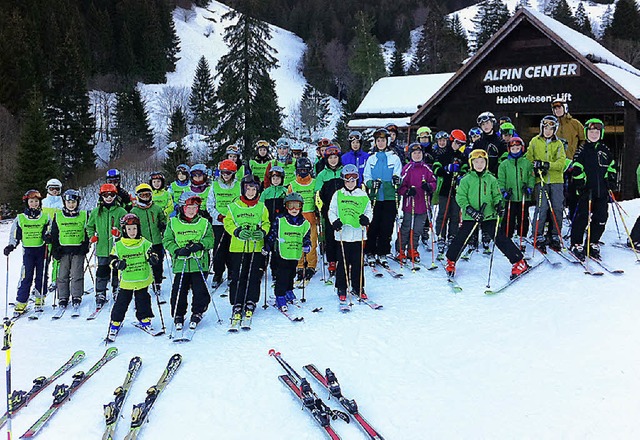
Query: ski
x,y
588,270
376,272
606,267
20,399
225,293
148,329
292,318
344,306
95,313
466,256
392,272
112,409
369,303
63,393
141,410
18,315
330,281
234,327
245,323
188,336
453,284
76,311
513,280
330,382
35,315
59,313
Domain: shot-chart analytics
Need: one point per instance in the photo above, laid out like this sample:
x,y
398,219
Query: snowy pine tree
x,y
132,131
491,15
562,12
583,24
397,63
314,110
202,101
366,62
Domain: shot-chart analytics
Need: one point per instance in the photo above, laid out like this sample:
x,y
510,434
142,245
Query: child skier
x,y
153,222
350,212
52,204
288,239
30,227
284,160
189,238
225,189
593,173
233,154
123,198
102,229
547,154
258,165
178,186
161,196
516,181
355,155
418,183
247,222
480,200
490,141
381,176
305,186
133,257
327,183
200,186
69,245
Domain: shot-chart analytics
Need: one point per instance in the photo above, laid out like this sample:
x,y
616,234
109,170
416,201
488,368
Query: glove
x,y
452,167
337,225
257,235
119,264
220,218
242,234
183,252
411,191
93,239
306,249
162,226
527,191
195,247
153,259
395,180
474,213
499,209
46,237
375,185
364,220
540,166
8,249
426,187
265,250
506,194
115,232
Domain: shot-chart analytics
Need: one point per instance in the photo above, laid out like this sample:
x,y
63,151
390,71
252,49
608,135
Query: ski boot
x,y
332,268
414,256
371,260
75,302
594,251
401,257
217,281
519,268
179,323
290,297
450,268
441,245
19,308
114,328
578,251
361,295
63,303
101,299
541,245
382,261
555,244
145,323
281,303
195,320
236,315
486,243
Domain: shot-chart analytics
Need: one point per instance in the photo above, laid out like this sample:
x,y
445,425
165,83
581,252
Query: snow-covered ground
x,y
554,356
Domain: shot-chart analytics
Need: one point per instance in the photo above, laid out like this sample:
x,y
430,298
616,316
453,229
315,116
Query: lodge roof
x,y
622,77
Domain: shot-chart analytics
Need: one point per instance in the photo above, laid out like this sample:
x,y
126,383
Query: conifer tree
x,y
132,131
625,23
35,162
315,66
314,110
366,62
176,155
243,71
202,101
266,119
491,15
177,126
397,64
562,12
583,24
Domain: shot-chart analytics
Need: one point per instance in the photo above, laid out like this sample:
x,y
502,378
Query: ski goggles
x,y
355,137
595,126
516,143
71,195
129,219
483,118
113,180
197,173
54,188
459,142
261,144
548,123
350,177
108,195
293,204
324,142
227,173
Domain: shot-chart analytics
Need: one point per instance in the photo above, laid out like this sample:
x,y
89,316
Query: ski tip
x,y
272,352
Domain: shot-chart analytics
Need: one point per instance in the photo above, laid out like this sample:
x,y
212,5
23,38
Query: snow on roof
x,y
588,47
626,79
401,94
378,122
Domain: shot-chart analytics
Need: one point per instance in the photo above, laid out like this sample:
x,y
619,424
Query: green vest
x,y
290,238
138,274
289,170
203,195
249,217
162,198
350,208
224,196
72,229
308,194
258,169
32,229
185,233
177,190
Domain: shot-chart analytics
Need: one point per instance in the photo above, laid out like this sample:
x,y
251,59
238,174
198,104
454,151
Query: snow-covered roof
x,y
628,80
378,122
401,94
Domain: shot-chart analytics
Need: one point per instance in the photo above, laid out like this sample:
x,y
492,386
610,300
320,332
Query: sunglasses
x,y
350,177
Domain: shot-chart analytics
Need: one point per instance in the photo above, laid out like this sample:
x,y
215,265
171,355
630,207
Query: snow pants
x,y
221,251
71,276
32,265
142,304
245,274
103,272
505,245
555,191
419,221
635,231
180,292
312,256
448,220
157,269
353,257
284,275
599,216
381,228
513,219
331,245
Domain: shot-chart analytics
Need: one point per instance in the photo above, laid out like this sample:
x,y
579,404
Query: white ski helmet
x,y
54,182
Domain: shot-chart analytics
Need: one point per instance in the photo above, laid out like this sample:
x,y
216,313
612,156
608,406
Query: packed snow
x,y
551,357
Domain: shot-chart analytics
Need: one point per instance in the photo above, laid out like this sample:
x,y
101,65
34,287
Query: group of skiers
x,y
247,216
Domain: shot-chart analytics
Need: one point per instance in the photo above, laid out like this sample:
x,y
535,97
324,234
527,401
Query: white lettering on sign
x,y
532,72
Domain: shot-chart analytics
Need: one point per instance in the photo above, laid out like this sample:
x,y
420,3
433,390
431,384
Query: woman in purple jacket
x,y
418,183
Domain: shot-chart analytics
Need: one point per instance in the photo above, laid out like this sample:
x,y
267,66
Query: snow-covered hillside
x,y
554,356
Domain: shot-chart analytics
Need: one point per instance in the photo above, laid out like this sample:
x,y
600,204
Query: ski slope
x,y
554,356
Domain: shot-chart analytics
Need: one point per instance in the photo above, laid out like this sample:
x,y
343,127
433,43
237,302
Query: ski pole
x,y
363,231
8,324
615,219
204,279
323,233
537,215
412,246
506,228
266,280
430,220
473,230
305,263
522,220
493,251
446,208
246,290
586,263
6,296
626,229
178,297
